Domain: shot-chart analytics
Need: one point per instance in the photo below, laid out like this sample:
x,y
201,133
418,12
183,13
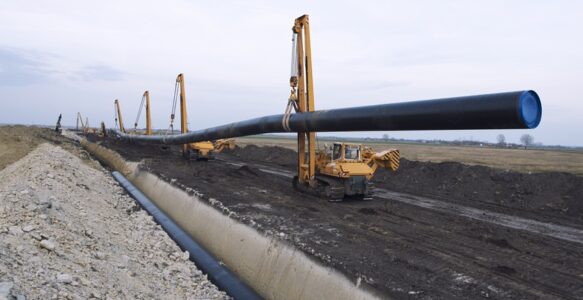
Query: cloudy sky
x,y
78,56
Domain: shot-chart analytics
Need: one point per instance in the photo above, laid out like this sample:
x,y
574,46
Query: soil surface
x,y
402,250
16,141
69,231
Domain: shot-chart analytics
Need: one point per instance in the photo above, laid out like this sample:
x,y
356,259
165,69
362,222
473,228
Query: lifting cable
x,y
293,98
174,101
139,112
114,116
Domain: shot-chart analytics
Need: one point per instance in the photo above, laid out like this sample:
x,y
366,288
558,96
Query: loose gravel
x,y
69,231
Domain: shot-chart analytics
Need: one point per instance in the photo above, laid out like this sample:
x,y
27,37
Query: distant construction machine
x,y
204,150
85,129
144,103
118,118
58,128
343,170
79,121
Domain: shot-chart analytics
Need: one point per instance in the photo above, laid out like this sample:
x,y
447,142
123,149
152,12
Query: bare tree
x,y
527,140
501,140
385,137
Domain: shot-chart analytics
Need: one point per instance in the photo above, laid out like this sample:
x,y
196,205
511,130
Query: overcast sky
x,y
78,56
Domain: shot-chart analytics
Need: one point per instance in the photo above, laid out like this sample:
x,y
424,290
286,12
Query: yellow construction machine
x,y
223,144
145,103
80,121
118,116
346,169
85,129
200,150
342,170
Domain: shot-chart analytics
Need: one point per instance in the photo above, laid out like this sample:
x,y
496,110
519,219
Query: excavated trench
x,y
274,268
442,232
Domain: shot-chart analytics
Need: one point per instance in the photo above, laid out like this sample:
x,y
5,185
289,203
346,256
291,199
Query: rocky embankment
x,y
69,231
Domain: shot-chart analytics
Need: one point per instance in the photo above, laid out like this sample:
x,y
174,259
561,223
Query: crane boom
x,y
202,150
303,86
148,116
183,124
119,119
145,102
79,120
342,170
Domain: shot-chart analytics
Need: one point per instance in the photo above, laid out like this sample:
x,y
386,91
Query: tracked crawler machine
x,y
144,103
344,170
85,129
203,150
118,118
80,121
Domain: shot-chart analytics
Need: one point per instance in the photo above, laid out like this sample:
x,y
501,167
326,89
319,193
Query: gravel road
x,y
69,231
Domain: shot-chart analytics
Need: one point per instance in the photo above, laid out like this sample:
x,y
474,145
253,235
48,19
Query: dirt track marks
x,y
548,229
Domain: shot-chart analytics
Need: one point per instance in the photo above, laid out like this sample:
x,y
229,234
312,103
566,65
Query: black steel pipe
x,y
512,110
216,272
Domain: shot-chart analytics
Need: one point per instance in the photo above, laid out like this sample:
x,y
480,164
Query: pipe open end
x,y
530,109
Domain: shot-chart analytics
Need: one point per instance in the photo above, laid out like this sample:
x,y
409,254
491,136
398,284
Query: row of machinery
x,y
339,171
343,170
203,150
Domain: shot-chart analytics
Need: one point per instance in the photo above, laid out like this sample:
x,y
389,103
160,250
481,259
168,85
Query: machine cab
x,y
346,152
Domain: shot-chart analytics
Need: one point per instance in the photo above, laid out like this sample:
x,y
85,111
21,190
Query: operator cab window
x,y
351,152
336,152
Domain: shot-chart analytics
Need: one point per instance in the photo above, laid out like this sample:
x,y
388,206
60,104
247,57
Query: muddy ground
x,y
402,250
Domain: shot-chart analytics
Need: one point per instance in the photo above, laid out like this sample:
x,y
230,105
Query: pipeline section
x,y
216,272
512,110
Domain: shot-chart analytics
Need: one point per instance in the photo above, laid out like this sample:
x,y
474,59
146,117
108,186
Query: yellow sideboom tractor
x,y
204,150
342,170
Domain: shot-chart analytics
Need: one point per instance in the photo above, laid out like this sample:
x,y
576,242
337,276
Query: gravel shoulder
x,y
69,231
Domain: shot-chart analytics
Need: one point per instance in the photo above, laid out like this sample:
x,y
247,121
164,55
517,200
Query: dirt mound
x,y
244,171
271,154
548,193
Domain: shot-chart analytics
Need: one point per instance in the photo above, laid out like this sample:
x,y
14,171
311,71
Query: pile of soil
x,y
544,196
270,154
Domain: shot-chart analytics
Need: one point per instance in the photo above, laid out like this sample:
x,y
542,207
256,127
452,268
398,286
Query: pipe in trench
x,y
512,110
216,272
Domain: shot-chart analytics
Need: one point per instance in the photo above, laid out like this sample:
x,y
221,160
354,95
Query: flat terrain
x,y
507,159
434,230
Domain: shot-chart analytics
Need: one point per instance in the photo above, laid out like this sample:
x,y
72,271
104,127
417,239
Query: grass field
x,y
512,159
